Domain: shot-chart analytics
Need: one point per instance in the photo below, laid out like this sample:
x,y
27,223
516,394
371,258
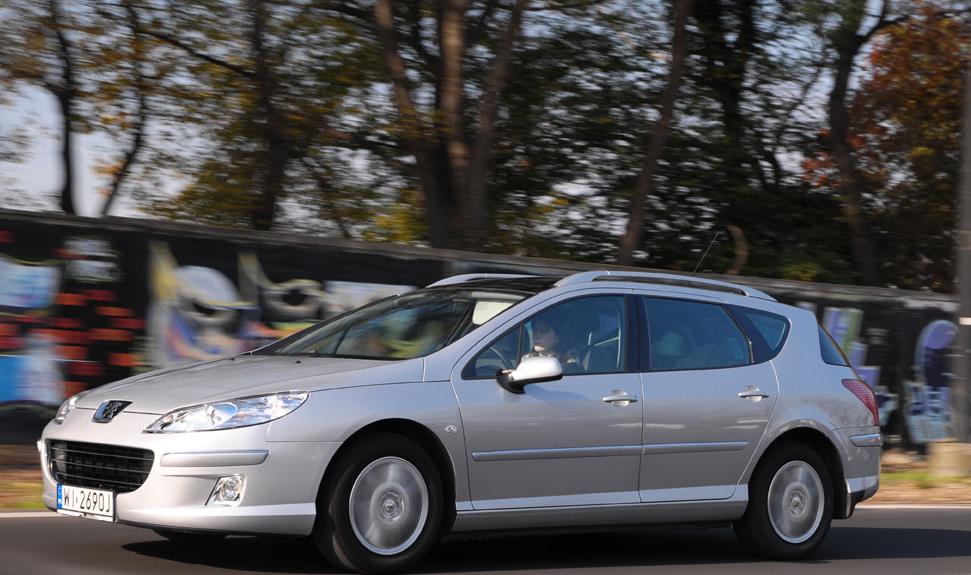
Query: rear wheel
x,y
381,511
790,504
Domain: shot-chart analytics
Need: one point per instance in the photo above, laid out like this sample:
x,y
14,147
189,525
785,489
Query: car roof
x,y
534,284
528,285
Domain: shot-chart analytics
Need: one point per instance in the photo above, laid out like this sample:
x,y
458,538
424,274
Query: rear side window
x,y
831,352
768,331
692,335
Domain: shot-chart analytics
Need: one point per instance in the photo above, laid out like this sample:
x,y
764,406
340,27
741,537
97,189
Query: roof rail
x,y
469,277
664,279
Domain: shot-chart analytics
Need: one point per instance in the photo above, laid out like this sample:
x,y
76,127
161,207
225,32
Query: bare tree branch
x,y
326,194
397,69
173,41
416,37
476,28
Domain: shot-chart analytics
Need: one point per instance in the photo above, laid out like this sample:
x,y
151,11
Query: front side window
x,y
403,327
686,335
588,335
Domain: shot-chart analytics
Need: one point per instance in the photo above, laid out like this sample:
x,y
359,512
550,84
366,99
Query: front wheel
x,y
790,504
382,510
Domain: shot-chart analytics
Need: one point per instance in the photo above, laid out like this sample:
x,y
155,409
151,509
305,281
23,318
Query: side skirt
x,y
718,511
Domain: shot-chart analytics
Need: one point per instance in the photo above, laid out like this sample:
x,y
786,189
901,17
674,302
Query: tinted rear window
x,y
831,352
768,331
692,335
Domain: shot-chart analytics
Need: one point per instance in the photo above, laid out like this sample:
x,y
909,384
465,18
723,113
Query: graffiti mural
x,y
928,406
52,320
195,314
28,365
920,396
198,313
85,302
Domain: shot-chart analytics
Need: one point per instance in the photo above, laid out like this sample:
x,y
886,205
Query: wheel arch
x,y
421,435
827,450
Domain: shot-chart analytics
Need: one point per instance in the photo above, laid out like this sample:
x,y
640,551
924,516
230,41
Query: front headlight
x,y
68,406
241,412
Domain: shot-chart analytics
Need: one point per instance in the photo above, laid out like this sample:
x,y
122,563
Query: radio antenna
x,y
704,255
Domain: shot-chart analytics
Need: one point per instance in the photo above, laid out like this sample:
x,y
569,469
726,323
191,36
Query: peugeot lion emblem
x,y
108,410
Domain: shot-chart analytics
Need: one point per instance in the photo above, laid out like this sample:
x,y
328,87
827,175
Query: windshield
x,y
402,327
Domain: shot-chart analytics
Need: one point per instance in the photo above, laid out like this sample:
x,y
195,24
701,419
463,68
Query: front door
x,y
574,441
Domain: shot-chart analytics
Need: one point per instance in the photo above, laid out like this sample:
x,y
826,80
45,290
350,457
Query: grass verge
x,y
21,489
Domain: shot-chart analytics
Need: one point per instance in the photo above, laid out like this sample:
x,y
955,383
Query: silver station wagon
x,y
489,402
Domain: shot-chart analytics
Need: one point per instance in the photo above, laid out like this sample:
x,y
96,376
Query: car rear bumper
x,y
860,449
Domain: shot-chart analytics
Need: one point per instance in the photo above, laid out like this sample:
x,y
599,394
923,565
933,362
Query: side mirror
x,y
530,370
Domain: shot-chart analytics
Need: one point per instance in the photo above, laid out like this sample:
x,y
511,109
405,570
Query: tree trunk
x,y
484,151
850,185
452,105
414,131
644,185
847,43
726,66
141,113
264,210
65,93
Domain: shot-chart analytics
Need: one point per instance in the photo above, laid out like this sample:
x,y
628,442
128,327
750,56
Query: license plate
x,y
84,502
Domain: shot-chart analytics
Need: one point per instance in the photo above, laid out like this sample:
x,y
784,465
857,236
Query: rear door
x,y
706,400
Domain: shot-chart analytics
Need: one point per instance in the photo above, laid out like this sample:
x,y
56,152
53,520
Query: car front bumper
x,y
281,478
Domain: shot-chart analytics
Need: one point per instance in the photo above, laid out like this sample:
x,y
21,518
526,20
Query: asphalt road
x,y
885,541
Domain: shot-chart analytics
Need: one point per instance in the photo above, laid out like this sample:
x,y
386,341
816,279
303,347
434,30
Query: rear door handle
x,y
753,394
620,398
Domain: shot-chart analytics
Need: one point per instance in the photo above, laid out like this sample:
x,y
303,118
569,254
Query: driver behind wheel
x,y
547,343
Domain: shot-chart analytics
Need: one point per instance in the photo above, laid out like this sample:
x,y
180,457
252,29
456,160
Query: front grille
x,y
118,469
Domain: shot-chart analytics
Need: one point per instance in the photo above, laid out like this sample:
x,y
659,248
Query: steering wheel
x,y
502,358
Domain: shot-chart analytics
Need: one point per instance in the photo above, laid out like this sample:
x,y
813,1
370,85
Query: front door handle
x,y
620,398
753,394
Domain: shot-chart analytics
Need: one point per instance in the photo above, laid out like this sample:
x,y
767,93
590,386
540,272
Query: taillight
x,y
863,392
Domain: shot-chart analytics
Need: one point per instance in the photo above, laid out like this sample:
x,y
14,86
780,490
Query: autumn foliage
x,y
905,129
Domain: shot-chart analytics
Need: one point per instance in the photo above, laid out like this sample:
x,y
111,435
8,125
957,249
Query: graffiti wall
x,y
84,302
902,350
197,312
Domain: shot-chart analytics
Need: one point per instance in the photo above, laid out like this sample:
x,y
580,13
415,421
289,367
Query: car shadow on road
x,y
574,551
684,547
244,554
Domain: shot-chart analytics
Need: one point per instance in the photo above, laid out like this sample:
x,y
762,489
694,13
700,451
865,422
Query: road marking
x,y
29,515
965,506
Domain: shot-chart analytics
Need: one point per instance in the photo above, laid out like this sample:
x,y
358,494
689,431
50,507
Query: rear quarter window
x,y
832,354
768,331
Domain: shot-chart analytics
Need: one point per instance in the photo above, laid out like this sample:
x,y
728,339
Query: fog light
x,y
228,491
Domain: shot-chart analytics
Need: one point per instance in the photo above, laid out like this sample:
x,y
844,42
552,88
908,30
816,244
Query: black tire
x,y
755,529
189,538
333,533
